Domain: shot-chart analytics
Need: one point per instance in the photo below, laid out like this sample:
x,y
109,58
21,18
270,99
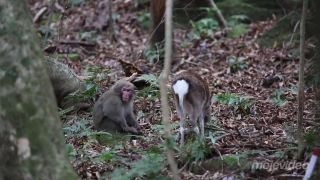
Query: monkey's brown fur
x,y
112,114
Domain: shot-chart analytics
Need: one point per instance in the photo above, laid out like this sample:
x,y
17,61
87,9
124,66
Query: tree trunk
x,y
163,89
32,144
300,128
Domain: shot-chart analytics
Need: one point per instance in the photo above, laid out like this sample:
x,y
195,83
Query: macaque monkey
x,y
191,97
113,112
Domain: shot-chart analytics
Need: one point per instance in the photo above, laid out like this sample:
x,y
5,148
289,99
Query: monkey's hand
x,y
136,126
132,130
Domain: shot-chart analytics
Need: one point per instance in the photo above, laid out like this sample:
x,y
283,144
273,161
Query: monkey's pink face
x,y
126,94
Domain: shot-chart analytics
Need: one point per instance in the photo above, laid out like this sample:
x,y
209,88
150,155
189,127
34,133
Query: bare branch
x,y
219,14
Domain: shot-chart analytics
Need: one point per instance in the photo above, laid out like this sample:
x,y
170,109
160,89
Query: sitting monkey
x,y
113,112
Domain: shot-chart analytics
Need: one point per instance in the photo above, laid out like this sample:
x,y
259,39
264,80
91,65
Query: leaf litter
x,y
260,124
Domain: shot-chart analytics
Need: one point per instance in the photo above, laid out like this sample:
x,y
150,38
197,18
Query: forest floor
x,y
254,90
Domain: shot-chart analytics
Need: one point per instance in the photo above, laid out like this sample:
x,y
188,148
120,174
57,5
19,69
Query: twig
x,y
40,13
205,174
59,7
222,136
184,166
294,31
185,9
81,43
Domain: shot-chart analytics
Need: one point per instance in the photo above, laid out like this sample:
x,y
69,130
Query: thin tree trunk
x,y
301,82
163,88
32,144
111,23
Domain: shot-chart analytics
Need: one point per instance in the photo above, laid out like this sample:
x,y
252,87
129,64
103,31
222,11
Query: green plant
x,y
89,91
140,2
153,90
192,35
237,19
107,156
158,128
238,30
155,149
197,150
150,78
144,19
56,17
154,53
231,160
289,129
80,127
89,86
44,29
73,56
214,135
279,154
96,73
110,139
149,167
205,27
185,43
88,35
211,11
311,137
70,150
240,103
75,2
293,88
236,63
278,97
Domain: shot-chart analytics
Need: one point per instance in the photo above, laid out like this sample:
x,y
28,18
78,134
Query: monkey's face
x,y
126,93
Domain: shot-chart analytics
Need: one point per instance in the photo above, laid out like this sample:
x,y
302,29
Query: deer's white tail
x,y
181,88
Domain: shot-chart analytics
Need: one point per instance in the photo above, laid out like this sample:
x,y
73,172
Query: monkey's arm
x,y
114,110
131,120
130,116
124,126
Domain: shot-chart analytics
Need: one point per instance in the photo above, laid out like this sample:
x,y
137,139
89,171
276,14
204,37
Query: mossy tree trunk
x,y
32,144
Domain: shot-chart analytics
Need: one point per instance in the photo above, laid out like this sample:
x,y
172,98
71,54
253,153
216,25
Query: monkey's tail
x,y
181,88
